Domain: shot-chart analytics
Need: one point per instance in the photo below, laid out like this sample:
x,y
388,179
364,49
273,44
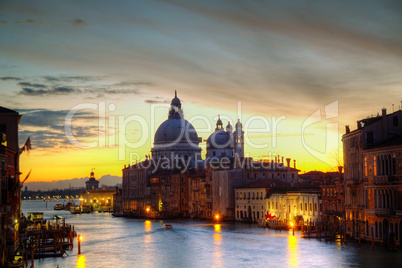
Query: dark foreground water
x,y
123,242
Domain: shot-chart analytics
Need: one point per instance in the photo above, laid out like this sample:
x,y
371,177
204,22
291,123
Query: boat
x,y
75,210
58,207
166,226
85,209
312,234
119,214
36,217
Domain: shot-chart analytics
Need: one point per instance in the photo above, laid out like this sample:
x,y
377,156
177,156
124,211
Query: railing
x,y
382,211
382,179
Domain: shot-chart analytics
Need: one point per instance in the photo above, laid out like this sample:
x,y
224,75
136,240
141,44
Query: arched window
x,y
365,166
367,228
375,166
380,229
376,229
396,231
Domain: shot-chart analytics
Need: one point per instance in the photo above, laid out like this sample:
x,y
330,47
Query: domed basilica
x,y
176,138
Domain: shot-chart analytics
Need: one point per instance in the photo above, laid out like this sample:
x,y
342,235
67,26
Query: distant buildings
x,y
373,178
97,199
92,183
176,182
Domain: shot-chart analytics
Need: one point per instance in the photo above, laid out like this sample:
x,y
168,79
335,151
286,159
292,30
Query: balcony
x,y
378,212
384,179
334,213
382,211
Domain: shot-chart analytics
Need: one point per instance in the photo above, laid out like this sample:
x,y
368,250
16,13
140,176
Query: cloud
x,y
76,23
41,92
6,78
156,101
3,22
135,83
66,78
65,85
28,21
46,127
27,84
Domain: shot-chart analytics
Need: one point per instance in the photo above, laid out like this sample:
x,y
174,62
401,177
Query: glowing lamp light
x,y
147,209
217,216
16,221
80,237
291,224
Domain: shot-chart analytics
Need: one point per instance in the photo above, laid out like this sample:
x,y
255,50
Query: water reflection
x,y
148,260
217,246
81,261
293,254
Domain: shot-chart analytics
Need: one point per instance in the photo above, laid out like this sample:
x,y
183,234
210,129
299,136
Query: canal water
x,y
124,242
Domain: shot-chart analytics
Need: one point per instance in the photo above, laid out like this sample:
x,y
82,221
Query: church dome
x,y
176,131
220,139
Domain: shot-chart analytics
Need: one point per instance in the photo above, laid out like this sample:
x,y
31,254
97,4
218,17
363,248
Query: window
x,y
370,138
305,206
365,166
311,207
315,207
301,206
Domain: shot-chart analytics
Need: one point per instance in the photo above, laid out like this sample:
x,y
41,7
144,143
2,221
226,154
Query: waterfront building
x,y
265,169
250,199
373,177
10,192
199,192
136,187
332,201
301,207
223,196
92,183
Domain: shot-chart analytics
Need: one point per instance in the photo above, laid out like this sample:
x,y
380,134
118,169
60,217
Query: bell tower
x,y
239,140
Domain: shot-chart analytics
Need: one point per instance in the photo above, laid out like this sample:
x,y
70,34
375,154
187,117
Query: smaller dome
x,y
220,140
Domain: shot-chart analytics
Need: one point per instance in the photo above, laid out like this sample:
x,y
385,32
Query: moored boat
x,y
75,210
58,207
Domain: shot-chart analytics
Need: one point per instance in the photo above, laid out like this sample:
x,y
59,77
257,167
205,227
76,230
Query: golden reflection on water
x,y
148,226
147,254
81,261
217,246
293,254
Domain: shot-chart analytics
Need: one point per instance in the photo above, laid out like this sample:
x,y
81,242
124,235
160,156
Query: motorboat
x,y
166,226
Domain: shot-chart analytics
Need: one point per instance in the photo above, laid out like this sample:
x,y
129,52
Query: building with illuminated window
x,y
373,178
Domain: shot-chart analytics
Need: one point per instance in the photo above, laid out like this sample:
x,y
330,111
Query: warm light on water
x,y
81,261
123,242
293,259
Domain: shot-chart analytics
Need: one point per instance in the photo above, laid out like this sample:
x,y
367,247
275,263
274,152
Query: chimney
x,y
294,163
384,124
282,159
347,129
288,162
276,160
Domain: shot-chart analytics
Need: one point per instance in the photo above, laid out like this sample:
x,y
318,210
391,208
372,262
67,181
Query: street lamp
x,y
292,226
217,217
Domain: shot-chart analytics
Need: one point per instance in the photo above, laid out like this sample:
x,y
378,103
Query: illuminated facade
x,y
373,178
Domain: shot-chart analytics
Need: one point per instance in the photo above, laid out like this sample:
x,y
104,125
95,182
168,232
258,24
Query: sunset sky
x,y
274,59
